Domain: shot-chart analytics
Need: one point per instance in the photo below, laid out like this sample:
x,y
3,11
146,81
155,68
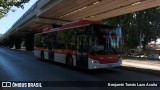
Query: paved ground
x,y
18,65
147,65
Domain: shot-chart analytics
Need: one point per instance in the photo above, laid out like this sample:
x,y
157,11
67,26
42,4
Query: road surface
x,y
16,65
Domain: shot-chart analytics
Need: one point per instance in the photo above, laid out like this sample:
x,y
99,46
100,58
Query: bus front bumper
x,y
108,65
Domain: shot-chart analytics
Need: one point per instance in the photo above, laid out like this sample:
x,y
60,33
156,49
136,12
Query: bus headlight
x,y
120,59
95,61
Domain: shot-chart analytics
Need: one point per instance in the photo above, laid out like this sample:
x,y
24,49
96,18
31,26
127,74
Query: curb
x,y
148,71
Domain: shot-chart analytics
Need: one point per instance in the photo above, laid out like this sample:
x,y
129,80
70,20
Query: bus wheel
x,y
42,55
69,60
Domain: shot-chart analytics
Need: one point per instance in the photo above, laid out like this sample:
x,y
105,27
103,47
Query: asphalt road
x,y
16,65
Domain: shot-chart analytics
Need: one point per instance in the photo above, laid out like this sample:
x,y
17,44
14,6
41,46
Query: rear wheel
x,y
42,55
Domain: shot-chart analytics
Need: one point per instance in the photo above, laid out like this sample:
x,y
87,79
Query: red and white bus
x,y
86,44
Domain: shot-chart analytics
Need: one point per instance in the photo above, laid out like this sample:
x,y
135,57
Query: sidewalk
x,y
151,66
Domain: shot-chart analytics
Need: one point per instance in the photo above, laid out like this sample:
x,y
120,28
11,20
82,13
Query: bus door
x,y
50,44
50,54
82,50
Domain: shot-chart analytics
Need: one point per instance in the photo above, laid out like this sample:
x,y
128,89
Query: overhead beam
x,y
103,6
50,21
144,5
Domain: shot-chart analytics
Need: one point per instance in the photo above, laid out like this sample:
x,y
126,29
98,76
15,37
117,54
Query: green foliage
x,y
146,22
5,5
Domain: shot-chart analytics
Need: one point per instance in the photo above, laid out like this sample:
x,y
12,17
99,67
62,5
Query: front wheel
x,y
42,55
69,60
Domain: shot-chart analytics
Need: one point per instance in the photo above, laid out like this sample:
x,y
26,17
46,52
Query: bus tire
x,y
69,60
42,55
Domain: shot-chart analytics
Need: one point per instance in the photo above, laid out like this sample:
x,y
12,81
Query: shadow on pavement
x,y
82,70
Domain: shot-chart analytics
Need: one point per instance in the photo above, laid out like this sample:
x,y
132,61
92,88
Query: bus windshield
x,y
106,41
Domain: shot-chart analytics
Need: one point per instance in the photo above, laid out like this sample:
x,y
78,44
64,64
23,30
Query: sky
x,y
7,21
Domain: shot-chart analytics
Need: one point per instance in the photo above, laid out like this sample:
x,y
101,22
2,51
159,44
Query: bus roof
x,y
74,24
79,23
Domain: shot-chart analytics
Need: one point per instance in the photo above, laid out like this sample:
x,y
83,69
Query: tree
x,y
5,5
145,23
127,22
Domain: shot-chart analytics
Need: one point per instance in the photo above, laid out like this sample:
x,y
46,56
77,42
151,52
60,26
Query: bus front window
x,y
114,46
105,43
96,46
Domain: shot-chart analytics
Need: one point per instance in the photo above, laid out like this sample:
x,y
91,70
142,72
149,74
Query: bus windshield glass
x,y
106,41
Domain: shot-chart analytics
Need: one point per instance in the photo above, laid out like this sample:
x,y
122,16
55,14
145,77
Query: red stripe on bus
x,y
65,51
104,59
41,49
62,51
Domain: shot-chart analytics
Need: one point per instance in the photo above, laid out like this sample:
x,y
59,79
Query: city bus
x,y
85,44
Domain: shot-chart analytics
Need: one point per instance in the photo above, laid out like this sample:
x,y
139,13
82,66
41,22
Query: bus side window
x,y
71,39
